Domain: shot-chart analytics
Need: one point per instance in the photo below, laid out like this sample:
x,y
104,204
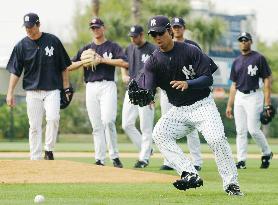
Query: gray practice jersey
x,y
137,56
42,61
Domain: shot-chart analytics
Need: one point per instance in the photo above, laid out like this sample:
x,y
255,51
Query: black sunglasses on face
x,y
155,34
243,40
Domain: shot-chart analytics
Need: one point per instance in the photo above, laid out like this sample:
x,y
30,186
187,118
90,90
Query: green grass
x,y
260,187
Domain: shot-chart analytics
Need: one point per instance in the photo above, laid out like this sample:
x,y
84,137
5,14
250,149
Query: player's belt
x,y
249,91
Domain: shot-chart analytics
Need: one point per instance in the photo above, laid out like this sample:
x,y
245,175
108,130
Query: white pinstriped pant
x,y
38,102
146,116
193,140
247,109
101,103
179,121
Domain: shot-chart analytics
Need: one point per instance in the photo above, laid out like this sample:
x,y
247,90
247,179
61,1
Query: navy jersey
x,y
183,62
42,61
103,71
247,69
137,56
192,43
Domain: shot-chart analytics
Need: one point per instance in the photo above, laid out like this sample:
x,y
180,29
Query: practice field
x,y
74,180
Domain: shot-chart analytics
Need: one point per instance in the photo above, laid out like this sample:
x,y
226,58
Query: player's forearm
x,y
115,62
267,90
200,82
65,76
75,66
124,72
232,95
12,83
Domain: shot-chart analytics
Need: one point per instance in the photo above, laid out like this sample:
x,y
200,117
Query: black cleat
x,y
117,163
48,155
140,164
234,190
241,165
188,180
265,161
198,168
98,162
165,167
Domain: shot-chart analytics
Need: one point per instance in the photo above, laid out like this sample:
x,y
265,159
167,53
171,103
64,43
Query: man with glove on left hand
x,y
99,60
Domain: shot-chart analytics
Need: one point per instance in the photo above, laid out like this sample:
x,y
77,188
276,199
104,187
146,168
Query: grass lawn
x,y
260,187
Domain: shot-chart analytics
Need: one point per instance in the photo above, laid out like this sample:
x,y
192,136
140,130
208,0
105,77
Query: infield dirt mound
x,y
61,171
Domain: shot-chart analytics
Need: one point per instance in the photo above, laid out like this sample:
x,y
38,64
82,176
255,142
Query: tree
x,y
95,7
136,11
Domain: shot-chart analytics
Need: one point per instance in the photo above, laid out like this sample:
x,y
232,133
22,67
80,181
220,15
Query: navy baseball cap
x,y
135,31
158,24
30,20
178,21
245,35
96,22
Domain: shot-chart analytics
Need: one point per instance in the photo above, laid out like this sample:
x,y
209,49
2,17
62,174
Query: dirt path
x,y
62,171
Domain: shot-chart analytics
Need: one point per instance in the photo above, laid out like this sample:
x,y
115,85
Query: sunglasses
x,y
155,34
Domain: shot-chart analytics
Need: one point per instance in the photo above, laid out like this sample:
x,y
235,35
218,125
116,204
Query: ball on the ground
x,y
39,199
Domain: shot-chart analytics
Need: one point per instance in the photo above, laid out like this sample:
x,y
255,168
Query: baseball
x,y
39,199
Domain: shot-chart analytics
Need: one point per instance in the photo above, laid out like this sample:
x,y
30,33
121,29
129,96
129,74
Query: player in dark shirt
x,y
193,140
249,72
137,53
43,59
183,71
101,90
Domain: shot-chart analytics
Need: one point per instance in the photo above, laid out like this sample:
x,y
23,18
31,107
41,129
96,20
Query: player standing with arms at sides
x,y
183,71
44,60
101,90
138,52
250,72
193,140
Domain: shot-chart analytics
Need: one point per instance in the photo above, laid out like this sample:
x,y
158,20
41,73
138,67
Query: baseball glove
x,y
64,100
90,59
139,96
267,114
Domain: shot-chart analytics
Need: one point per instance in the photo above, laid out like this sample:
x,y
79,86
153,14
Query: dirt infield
x,y
62,171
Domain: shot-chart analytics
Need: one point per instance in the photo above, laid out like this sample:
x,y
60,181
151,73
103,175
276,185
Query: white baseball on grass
x,y
39,199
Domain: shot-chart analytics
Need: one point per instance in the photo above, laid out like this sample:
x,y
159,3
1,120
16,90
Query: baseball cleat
x,y
48,155
188,180
198,168
234,190
266,161
98,162
165,167
117,163
140,164
241,165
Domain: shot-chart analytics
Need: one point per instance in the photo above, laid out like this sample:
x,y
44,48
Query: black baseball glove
x,y
139,96
267,114
65,101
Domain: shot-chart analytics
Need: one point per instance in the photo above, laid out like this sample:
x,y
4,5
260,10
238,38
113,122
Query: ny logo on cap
x,y
177,20
94,21
132,29
26,18
153,22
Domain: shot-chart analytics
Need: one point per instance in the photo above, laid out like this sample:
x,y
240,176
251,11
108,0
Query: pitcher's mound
x,y
61,171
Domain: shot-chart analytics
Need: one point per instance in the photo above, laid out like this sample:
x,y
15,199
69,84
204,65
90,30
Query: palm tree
x,y
95,7
136,11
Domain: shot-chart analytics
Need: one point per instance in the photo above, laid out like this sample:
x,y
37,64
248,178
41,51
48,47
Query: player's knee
x,y
255,132
127,126
108,124
35,130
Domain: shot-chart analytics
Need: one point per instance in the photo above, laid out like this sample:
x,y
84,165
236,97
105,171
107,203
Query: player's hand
x,y
10,100
229,112
182,85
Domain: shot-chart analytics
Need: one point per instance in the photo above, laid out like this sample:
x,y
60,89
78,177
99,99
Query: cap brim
x,y
157,29
241,37
95,25
178,24
28,24
133,34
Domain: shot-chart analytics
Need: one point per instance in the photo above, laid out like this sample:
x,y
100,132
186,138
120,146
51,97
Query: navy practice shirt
x,y
42,61
103,71
183,62
247,69
137,56
192,43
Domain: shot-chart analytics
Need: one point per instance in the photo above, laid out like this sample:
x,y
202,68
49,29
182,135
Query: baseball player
x,y
99,60
193,140
250,72
43,59
138,52
183,71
